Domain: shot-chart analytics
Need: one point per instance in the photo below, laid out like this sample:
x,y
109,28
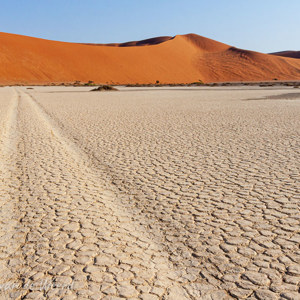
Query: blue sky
x,y
265,25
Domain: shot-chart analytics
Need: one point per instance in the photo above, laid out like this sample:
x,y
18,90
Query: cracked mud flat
x,y
153,194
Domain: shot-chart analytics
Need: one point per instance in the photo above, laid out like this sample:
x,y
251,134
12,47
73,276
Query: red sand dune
x,y
289,53
182,59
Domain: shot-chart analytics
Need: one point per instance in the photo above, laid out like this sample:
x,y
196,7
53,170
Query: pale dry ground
x,y
152,194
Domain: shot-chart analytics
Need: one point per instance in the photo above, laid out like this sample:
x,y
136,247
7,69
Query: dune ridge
x,y
180,59
146,42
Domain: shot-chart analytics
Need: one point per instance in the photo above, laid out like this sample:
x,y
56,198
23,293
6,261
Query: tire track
x,y
81,238
12,234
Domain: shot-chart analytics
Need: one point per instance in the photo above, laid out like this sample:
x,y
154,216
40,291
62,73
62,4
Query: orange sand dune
x,y
182,59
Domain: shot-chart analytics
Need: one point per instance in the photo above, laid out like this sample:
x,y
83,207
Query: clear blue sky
x,y
261,25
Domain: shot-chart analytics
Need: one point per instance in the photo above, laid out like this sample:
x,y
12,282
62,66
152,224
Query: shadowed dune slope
x,y
147,42
182,59
293,54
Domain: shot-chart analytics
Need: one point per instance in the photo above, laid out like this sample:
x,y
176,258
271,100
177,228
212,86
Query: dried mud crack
x,y
73,234
158,195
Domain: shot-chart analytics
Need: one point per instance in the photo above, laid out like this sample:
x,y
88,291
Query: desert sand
x,y
160,193
182,59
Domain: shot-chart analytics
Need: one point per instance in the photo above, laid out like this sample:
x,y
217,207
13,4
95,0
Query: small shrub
x,y
89,83
266,85
197,83
103,88
77,82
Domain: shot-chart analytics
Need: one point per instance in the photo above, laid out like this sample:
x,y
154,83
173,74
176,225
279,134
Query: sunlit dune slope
x,y
181,59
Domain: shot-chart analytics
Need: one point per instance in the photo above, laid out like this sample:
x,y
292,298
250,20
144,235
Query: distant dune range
x,y
289,53
180,59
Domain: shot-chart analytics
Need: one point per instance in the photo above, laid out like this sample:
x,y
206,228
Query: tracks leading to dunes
x,y
69,236
12,234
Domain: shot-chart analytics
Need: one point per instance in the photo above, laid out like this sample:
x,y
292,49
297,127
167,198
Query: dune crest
x,y
205,44
146,42
180,59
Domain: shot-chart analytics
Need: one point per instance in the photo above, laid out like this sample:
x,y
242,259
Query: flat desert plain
x,y
149,193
